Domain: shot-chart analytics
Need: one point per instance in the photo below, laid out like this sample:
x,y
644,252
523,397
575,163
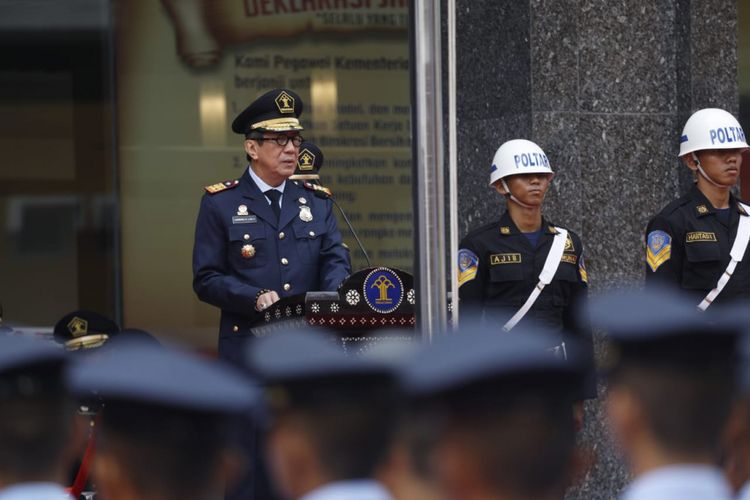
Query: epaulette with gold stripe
x,y
320,189
221,186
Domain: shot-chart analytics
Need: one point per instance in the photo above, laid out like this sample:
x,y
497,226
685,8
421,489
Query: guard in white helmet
x,y
698,242
524,268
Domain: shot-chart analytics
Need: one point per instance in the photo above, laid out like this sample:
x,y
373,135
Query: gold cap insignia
x,y
306,160
78,326
285,103
701,209
504,230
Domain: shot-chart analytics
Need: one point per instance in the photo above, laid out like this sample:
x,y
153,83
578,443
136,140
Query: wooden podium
x,y
369,305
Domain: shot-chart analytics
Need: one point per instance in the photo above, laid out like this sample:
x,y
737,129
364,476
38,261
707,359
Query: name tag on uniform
x,y
244,219
699,236
505,258
570,258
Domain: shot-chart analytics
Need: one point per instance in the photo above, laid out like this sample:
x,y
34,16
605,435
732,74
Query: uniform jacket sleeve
x,y
577,322
667,271
334,261
472,286
212,278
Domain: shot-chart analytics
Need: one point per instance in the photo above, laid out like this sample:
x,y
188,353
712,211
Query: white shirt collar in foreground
x,y
744,493
36,491
680,482
364,489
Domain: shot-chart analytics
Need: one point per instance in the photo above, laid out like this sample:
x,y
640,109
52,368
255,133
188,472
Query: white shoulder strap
x,y
738,251
545,277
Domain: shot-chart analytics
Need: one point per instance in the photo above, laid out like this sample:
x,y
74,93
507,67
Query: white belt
x,y
737,253
545,277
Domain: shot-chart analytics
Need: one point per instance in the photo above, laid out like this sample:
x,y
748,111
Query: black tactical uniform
x,y
499,268
507,269
688,245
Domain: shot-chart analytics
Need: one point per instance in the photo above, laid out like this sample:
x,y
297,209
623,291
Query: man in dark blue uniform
x,y
37,429
262,237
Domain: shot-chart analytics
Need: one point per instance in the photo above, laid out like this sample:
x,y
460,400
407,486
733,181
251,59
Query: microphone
x,y
326,194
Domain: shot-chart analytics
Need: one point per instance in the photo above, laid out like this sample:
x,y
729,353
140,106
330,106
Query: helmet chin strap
x,y
705,175
510,195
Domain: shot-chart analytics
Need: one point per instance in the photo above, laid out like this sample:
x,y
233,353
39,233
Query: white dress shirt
x,y
744,493
265,187
680,482
34,491
364,489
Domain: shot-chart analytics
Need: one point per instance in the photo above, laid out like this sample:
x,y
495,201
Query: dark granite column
x,y
604,88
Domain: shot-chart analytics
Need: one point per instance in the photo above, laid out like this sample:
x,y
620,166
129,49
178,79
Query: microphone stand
x,y
325,194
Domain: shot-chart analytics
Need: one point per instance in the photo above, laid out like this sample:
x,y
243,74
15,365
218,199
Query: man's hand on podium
x,y
266,299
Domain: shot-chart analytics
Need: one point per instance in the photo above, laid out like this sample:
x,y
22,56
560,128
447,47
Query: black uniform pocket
x,y
309,237
507,285
247,246
702,266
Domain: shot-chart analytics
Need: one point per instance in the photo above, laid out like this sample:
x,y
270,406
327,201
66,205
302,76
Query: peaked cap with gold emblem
x,y
84,330
275,111
309,162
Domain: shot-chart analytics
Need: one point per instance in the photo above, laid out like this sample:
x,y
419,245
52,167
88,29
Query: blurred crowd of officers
x,y
478,414
491,410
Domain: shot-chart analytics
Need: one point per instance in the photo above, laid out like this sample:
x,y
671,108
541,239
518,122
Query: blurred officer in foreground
x,y
736,449
698,242
524,266
501,410
331,417
37,429
84,333
671,377
165,428
262,237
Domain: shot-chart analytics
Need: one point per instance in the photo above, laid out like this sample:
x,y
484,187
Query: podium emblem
x,y
383,290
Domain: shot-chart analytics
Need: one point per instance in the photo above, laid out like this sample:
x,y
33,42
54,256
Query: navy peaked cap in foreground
x,y
477,353
18,352
307,369
307,354
660,326
147,373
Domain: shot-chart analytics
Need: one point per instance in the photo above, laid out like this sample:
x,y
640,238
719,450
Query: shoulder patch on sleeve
x,y
582,270
468,263
658,249
221,186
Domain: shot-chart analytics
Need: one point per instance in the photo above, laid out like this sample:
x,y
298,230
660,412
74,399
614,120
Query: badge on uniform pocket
x,y
248,251
305,213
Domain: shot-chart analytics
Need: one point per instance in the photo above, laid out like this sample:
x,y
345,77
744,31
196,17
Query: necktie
x,y
274,195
